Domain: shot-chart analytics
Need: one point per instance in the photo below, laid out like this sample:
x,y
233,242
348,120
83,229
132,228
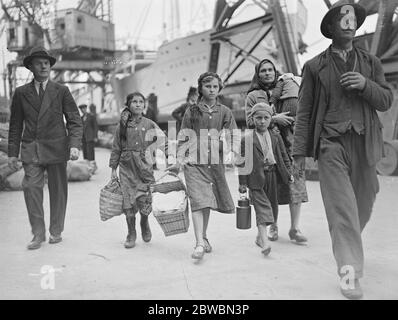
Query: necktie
x,y
41,92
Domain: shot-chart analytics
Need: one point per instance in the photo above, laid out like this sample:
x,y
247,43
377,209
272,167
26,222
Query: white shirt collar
x,y
37,85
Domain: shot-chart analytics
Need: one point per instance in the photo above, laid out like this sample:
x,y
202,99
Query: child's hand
x,y
291,179
242,188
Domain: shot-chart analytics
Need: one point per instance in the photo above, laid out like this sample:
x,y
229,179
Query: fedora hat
x,y
360,13
38,52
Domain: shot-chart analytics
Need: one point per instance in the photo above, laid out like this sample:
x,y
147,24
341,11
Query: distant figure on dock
x,y
178,113
337,124
37,129
152,111
90,134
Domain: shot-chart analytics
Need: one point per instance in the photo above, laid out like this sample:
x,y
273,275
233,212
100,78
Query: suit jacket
x,y
313,102
90,127
39,131
256,179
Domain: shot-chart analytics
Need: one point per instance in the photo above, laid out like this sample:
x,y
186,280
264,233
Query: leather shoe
x,y
36,242
55,239
352,293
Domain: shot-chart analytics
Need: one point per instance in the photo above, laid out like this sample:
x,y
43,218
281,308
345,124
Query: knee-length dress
x,y
206,183
135,172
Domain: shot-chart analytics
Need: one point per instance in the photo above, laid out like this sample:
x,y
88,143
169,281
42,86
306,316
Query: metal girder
x,y
381,37
83,65
371,6
249,52
241,27
282,31
328,3
223,14
241,51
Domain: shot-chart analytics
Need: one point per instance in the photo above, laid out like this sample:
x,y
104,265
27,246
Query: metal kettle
x,y
243,213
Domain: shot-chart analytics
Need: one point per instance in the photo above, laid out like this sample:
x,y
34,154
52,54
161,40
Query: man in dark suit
x,y
90,132
37,128
337,124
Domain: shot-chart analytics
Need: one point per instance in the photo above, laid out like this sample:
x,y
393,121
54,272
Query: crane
x,y
81,43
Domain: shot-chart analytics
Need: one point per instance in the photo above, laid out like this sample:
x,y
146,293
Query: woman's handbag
x,y
111,200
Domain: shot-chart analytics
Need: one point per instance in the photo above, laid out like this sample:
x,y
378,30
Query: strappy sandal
x,y
208,247
198,255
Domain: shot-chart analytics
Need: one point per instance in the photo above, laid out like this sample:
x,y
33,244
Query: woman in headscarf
x,y
263,82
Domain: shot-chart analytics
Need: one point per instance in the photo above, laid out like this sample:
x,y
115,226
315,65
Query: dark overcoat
x,y
256,178
90,127
39,130
314,97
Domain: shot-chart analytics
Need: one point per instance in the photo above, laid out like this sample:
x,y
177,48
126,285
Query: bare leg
x,y
262,230
206,216
295,233
295,211
198,225
262,233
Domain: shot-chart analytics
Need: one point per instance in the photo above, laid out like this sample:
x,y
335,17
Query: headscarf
x,y
126,114
261,106
257,83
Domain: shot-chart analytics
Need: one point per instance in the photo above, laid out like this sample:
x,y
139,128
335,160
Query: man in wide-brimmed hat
x,y
337,124
37,129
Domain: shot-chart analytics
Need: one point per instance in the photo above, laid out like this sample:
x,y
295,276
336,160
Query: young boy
x,y
270,162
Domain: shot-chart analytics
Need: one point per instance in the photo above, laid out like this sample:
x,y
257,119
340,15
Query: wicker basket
x,y
172,221
111,200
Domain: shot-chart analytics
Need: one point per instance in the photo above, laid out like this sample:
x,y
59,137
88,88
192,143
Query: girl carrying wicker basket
x,y
206,184
129,153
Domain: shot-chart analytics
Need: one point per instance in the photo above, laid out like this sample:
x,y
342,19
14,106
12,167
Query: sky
x,y
145,19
